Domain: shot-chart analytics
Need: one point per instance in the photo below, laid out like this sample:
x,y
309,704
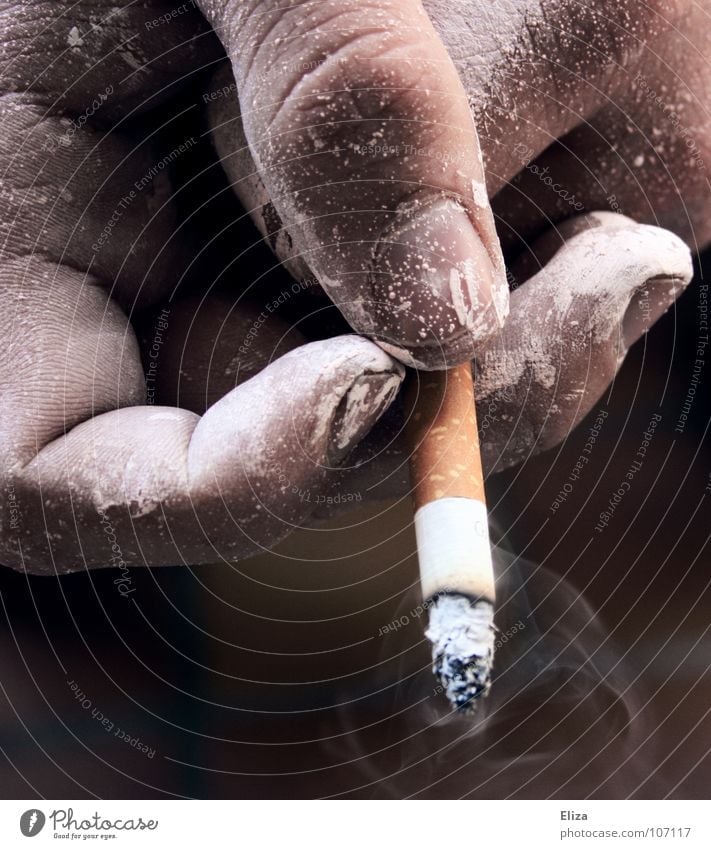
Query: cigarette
x,y
454,551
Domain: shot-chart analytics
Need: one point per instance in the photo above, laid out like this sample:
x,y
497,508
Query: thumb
x,y
362,134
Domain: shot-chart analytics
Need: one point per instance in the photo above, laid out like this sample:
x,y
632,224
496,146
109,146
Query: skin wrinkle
x,y
291,95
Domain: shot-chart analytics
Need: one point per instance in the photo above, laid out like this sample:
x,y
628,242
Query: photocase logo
x,y
32,822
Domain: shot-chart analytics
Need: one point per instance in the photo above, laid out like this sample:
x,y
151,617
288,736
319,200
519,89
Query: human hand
x,y
94,475
568,99
579,107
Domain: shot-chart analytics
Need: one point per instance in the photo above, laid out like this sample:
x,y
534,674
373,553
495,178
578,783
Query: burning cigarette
x,y
452,532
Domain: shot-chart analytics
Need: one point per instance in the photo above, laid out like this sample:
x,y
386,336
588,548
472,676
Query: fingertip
x,y
438,287
344,384
648,305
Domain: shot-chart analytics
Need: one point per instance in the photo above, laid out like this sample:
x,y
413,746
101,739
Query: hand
x,y
592,77
93,472
579,107
96,235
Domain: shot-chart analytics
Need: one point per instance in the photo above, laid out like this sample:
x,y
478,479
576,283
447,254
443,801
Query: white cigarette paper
x,y
451,528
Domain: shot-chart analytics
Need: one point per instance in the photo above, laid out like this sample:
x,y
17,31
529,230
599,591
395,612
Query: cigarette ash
x,y
462,635
567,716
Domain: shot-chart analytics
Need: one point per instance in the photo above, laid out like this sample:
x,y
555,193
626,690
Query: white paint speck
x,y
74,38
481,199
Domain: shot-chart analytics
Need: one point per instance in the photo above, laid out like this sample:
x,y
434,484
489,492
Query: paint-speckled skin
x,y
78,440
626,83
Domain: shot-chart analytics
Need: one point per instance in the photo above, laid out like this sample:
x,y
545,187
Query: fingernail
x,y
368,398
648,304
436,290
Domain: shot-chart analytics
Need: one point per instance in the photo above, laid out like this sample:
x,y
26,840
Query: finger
x,y
531,76
569,330
84,185
645,153
93,199
99,478
363,137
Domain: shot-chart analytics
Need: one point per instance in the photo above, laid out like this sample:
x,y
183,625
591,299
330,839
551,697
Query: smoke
x,y
563,720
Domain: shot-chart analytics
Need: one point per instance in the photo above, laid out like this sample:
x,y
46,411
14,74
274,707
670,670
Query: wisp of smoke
x,y
562,719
